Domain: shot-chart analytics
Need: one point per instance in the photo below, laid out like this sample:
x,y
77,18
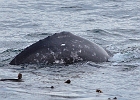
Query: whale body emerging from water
x,y
63,47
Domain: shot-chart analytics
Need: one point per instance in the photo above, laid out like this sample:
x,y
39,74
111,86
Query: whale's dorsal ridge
x,y
64,47
62,34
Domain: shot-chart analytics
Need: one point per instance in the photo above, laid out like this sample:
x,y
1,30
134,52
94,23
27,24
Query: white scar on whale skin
x,y
80,51
63,44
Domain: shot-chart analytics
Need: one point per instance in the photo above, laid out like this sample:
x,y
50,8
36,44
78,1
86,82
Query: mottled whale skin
x,y
63,47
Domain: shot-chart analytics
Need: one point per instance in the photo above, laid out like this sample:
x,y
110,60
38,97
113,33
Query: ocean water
x,y
113,24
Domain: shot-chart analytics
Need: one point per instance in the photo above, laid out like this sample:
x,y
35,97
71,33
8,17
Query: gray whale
x,y
63,47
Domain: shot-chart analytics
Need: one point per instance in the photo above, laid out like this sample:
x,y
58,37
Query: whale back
x,y
61,47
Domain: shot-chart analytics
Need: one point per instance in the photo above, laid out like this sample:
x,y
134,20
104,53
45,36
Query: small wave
x,y
72,7
131,32
28,25
79,7
38,34
129,67
127,55
101,34
11,50
7,55
102,37
119,57
98,31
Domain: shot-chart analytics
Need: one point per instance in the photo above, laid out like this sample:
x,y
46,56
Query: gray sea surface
x,y
113,24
